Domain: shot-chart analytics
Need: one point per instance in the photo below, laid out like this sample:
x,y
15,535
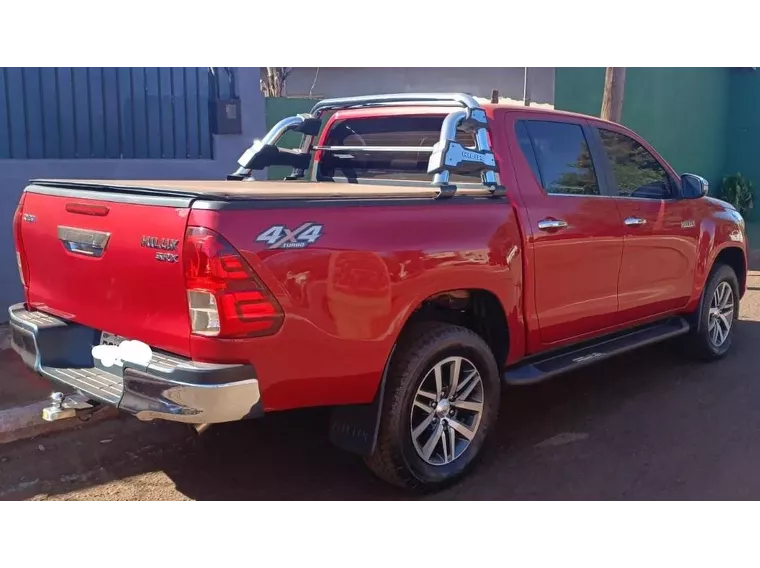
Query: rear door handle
x,y
635,221
549,224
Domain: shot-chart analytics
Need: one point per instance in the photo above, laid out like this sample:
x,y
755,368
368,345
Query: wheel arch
x,y
734,257
729,255
355,427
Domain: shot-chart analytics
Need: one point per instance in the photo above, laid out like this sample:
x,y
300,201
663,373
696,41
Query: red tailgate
x,y
115,266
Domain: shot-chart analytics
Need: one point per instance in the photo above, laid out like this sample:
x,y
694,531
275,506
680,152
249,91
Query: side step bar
x,y
549,365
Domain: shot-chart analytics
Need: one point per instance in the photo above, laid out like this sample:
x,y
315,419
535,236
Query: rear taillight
x,y
23,269
224,295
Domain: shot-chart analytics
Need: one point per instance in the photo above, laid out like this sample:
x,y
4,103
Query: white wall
x,y
478,81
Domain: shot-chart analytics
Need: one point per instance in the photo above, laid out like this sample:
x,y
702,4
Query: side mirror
x,y
694,186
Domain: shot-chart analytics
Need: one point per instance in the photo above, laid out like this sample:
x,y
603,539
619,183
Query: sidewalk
x,y
23,395
19,385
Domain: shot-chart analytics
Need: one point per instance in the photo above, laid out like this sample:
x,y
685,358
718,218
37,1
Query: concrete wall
x,y
347,81
14,175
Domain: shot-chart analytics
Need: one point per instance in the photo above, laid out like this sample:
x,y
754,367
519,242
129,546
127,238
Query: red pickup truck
x,y
426,252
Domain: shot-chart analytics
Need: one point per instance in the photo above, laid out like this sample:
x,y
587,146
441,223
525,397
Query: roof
x,y
489,107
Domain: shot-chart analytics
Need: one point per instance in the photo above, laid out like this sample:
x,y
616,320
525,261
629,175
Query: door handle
x,y
549,224
635,221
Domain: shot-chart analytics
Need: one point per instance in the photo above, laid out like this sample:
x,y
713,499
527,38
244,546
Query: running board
x,y
547,366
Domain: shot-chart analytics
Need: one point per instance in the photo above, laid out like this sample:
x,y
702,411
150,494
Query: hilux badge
x,y
164,245
159,243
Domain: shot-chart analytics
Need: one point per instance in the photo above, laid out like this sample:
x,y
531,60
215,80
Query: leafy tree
x,y
273,83
581,181
633,165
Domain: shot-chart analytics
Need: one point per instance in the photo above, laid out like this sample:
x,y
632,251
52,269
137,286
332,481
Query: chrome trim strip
x,y
83,241
549,224
635,221
375,148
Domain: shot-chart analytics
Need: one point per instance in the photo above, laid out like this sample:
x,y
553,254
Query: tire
x,y
704,343
399,457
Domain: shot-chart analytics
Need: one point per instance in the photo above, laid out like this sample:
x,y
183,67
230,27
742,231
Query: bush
x,y
739,192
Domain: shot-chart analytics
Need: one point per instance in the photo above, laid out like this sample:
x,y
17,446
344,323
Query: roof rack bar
x,y
410,149
460,99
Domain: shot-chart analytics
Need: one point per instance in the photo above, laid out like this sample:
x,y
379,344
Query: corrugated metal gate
x,y
96,112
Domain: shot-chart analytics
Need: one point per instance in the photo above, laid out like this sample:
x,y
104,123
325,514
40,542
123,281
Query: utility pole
x,y
614,88
526,88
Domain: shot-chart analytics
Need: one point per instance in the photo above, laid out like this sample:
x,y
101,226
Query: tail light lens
x,y
23,269
224,295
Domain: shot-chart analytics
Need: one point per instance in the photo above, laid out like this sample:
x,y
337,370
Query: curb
x,y
24,422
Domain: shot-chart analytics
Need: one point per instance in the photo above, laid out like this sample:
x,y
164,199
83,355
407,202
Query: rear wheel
x,y
719,309
441,400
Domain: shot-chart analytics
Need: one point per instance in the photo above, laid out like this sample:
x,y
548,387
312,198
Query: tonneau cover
x,y
258,189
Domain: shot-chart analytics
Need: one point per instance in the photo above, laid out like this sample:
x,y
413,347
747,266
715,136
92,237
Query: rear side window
x,y
559,156
389,131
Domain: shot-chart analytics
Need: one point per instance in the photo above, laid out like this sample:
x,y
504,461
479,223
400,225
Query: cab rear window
x,y
417,133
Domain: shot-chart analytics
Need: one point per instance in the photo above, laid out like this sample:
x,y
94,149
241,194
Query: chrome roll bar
x,y
446,155
459,99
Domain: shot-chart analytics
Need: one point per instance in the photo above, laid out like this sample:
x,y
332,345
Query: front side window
x,y
388,131
561,154
637,172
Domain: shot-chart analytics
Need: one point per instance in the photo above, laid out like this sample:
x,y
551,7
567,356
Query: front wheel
x,y
441,400
718,311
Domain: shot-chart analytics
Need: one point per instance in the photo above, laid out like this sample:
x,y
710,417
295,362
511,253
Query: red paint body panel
x,y
575,271
125,291
347,296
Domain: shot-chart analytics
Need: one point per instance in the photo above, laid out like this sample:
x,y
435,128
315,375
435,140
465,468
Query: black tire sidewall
x,y
456,342
722,273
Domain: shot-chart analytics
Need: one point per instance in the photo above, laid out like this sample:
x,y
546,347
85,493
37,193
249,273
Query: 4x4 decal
x,y
279,236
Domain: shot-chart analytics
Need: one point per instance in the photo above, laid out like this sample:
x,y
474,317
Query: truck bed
x,y
254,190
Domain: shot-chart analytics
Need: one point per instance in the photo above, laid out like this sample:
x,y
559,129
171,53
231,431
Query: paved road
x,y
650,425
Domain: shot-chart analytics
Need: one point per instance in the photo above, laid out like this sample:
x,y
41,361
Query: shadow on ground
x,y
648,425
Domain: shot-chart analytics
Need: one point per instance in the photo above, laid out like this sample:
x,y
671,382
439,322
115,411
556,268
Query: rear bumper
x,y
168,388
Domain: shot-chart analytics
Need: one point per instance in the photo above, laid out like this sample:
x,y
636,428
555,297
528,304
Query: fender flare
x,y
354,427
694,317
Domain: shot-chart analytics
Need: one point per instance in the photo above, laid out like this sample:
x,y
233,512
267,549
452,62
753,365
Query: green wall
x,y
744,125
682,112
703,120
276,110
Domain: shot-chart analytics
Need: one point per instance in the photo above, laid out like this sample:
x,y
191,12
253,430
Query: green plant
x,y
739,192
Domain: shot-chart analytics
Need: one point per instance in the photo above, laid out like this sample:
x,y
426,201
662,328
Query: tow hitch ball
x,y
63,407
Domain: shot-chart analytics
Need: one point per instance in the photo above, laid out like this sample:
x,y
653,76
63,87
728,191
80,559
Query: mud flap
x,y
354,427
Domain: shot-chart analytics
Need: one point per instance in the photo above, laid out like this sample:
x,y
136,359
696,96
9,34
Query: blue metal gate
x,y
111,112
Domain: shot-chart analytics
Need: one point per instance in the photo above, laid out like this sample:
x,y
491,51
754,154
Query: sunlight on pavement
x,y
153,486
